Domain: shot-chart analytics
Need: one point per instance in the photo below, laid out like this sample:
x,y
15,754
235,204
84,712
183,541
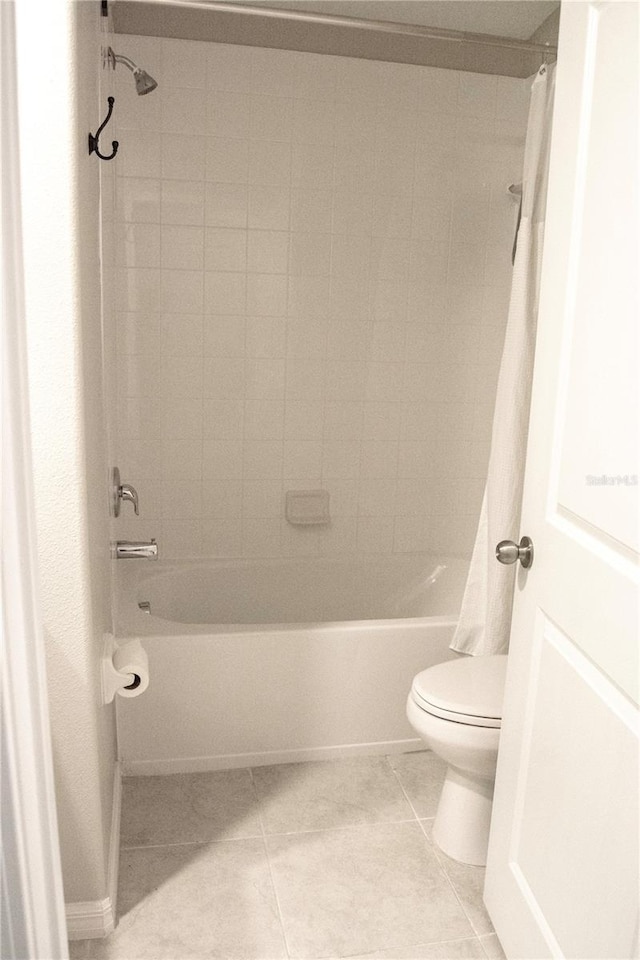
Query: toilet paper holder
x,y
113,681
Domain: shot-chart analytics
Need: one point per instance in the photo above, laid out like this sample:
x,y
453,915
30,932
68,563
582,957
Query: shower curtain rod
x,y
358,23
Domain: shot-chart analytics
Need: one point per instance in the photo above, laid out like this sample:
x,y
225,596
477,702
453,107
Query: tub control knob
x,y
508,552
121,492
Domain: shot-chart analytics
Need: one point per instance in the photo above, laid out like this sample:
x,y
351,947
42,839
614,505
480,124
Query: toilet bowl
x,y
456,708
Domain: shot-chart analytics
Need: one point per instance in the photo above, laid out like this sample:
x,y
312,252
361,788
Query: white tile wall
x,y
314,269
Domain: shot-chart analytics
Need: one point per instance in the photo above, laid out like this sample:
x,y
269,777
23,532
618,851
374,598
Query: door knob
x,y
508,552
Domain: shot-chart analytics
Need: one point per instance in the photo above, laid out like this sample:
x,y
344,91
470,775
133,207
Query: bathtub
x,y
257,662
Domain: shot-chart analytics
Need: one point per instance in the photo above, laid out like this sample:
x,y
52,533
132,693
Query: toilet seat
x,y
468,691
465,718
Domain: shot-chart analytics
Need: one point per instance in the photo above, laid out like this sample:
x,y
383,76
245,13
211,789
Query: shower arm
x,y
112,57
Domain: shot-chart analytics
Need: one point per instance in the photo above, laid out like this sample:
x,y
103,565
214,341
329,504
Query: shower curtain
x,y
485,616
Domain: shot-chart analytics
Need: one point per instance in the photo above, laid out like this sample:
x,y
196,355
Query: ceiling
x,y
504,18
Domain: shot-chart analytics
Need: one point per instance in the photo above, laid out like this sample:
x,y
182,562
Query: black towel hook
x,y
93,140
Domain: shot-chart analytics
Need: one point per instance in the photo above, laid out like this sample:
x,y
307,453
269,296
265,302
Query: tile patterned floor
x,y
328,859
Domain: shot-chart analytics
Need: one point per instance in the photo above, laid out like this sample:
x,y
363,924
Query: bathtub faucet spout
x,y
135,549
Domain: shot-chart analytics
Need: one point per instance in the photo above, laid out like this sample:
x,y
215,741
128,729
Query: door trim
x,y
33,923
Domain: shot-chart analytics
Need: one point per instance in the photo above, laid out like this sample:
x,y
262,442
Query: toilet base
x,y
461,827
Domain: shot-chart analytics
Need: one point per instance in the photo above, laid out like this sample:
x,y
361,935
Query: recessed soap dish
x,y
305,508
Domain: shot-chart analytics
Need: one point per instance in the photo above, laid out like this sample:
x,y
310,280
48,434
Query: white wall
x,y
314,260
59,61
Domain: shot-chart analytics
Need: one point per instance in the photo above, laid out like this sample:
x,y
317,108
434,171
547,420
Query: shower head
x,y
144,81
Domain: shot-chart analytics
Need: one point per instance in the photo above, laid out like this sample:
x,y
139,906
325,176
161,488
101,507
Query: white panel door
x,y
562,872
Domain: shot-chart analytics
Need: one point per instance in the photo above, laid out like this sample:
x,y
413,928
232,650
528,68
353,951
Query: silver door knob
x,y
508,552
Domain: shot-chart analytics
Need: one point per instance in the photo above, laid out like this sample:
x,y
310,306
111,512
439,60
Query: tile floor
x,y
314,860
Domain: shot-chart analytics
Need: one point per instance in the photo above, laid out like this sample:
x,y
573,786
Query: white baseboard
x,y
93,919
228,761
90,919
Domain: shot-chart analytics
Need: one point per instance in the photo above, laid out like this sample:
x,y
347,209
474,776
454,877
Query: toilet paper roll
x,y
131,663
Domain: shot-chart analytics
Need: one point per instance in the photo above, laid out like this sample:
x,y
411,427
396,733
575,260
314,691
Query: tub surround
x,y
312,288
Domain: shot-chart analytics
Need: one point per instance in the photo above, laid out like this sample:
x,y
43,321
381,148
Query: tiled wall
x,y
314,268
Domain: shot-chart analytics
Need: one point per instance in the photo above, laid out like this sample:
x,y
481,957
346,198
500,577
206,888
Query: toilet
x,y
456,708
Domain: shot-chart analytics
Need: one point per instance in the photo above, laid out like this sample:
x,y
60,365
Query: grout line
x,y
441,862
485,937
439,857
422,822
406,795
188,843
254,789
455,892
482,947
268,857
345,826
424,943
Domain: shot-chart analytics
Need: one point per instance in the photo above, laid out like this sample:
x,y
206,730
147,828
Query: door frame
x,y
31,893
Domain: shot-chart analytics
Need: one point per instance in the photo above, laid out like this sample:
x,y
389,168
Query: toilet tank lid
x,y
471,685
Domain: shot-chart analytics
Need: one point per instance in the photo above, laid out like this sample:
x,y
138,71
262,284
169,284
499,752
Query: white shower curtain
x,y
485,616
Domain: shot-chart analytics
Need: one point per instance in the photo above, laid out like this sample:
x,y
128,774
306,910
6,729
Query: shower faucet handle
x,y
127,492
122,491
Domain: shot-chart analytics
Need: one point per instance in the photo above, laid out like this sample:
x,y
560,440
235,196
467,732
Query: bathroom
x,y
280,310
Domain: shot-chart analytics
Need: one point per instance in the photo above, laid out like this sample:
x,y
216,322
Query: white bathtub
x,y
255,662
